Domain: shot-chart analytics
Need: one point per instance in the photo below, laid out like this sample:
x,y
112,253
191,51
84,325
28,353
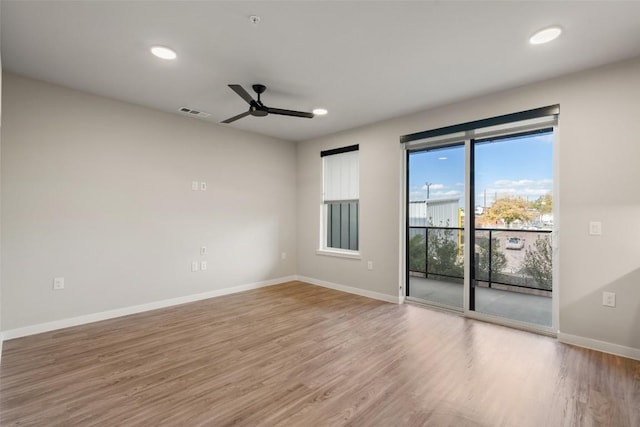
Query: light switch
x,y
203,250
203,186
194,266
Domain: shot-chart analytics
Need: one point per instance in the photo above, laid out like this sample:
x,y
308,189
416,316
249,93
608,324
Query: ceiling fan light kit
x,y
257,108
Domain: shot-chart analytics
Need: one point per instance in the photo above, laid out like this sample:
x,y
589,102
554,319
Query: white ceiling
x,y
364,61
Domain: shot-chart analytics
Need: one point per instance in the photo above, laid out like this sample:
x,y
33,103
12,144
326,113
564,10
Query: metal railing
x,y
504,258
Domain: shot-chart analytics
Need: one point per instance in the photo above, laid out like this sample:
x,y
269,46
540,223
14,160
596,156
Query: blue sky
x,y
510,167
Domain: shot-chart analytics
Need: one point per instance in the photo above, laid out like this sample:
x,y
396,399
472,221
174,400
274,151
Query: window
x,y
341,183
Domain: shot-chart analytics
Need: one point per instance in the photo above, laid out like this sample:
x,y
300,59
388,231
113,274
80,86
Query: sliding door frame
x,y
468,134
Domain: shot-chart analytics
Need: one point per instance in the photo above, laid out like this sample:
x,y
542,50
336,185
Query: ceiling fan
x,y
257,108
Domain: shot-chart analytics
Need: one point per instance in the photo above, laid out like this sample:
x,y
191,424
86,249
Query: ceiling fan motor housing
x,y
258,111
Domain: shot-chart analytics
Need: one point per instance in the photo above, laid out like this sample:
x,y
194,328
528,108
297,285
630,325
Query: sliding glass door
x,y
480,218
513,222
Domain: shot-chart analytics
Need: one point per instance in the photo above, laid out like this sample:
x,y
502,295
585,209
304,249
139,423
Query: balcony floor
x,y
511,305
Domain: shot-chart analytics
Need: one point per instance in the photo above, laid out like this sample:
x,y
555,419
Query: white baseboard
x,y
603,346
351,290
110,314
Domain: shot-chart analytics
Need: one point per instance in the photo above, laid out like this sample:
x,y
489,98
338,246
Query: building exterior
x,y
435,213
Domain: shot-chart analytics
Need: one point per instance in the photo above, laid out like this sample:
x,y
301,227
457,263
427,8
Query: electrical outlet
x,y
194,266
194,185
609,299
203,265
370,265
595,228
58,283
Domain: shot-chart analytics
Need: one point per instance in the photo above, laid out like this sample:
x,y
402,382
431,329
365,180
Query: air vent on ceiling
x,y
192,112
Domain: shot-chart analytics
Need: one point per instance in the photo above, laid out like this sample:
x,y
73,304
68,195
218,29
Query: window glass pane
x,y
353,226
436,220
335,225
344,225
329,207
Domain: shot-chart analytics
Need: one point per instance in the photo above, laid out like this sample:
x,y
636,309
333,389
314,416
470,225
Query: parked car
x,y
515,243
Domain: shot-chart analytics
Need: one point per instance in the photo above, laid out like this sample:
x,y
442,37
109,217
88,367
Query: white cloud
x,y
433,187
526,188
511,183
535,191
440,193
450,193
506,183
501,191
532,191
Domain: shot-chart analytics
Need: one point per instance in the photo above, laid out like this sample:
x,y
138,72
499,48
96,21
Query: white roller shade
x,y
341,177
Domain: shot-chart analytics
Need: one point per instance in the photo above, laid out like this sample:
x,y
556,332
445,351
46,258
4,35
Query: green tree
x,y
417,253
509,209
443,252
543,204
498,259
537,263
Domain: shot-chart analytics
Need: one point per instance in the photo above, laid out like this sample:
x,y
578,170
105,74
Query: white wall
x,y
99,192
599,169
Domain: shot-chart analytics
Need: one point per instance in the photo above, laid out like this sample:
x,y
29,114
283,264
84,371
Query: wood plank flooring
x,y
300,355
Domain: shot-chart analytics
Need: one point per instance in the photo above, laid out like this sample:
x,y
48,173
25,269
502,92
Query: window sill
x,y
339,253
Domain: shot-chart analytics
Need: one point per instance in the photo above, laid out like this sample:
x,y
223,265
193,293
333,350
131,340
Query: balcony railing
x,y
517,260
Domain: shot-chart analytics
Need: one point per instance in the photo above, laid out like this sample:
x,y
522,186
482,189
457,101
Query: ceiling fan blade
x,y
289,113
243,93
234,118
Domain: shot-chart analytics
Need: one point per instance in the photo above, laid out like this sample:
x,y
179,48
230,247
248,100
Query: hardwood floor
x,y
300,355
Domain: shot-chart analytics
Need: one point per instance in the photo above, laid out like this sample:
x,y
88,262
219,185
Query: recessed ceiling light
x,y
545,35
320,112
163,52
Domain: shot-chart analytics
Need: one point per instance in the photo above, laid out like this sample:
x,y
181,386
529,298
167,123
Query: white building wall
x,y
434,213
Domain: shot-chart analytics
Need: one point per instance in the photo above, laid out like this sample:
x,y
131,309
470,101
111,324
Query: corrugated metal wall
x,y
434,213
